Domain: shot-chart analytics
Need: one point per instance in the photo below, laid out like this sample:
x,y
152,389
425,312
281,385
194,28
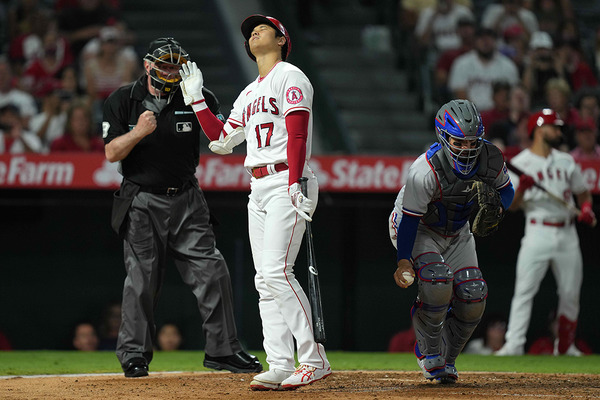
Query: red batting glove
x,y
587,215
525,182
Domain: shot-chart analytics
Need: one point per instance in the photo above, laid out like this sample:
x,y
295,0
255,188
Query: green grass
x,y
72,362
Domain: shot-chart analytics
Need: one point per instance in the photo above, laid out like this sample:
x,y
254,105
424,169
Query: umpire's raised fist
x,y
146,123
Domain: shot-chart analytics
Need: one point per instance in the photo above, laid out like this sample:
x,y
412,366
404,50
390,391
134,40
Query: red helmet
x,y
543,117
252,21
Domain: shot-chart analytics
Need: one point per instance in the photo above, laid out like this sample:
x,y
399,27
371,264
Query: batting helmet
x,y
252,21
460,119
161,52
546,116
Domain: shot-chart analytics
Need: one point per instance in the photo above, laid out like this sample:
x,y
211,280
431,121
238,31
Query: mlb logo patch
x,y
184,127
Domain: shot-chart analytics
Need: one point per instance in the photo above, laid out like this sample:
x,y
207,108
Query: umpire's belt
x,y
259,172
556,224
167,191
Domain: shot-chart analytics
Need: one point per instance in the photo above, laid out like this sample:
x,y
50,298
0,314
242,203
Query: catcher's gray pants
x,y
179,225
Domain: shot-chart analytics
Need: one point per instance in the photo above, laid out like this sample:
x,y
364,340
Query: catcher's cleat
x,y
305,375
240,362
136,367
433,366
451,375
270,380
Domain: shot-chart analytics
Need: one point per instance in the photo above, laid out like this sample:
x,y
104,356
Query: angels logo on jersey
x,y
294,95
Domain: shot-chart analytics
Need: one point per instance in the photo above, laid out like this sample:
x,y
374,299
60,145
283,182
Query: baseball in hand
x,y
408,276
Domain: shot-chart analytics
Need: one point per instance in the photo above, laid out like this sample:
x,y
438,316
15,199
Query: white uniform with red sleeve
x,y
550,240
275,228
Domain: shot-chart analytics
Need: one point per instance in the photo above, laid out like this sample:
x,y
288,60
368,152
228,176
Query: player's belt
x,y
259,172
167,191
560,224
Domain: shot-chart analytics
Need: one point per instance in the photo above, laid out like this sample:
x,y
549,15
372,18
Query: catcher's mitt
x,y
490,211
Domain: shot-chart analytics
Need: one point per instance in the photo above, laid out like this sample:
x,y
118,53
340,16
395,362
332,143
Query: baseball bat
x,y
562,201
314,290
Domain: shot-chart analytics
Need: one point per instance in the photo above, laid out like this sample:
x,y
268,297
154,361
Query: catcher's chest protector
x,y
452,211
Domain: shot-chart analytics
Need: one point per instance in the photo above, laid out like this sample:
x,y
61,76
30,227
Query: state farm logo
x,y
20,171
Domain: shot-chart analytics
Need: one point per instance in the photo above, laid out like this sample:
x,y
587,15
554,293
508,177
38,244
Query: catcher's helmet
x,y
460,119
168,52
546,116
252,21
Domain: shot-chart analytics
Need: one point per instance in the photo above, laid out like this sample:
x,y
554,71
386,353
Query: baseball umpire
x,y
430,229
161,210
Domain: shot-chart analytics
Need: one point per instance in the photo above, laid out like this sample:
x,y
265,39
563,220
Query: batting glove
x,y
525,182
226,145
587,215
302,204
191,83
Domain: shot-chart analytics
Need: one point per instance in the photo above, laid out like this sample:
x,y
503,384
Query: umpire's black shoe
x,y
136,367
238,363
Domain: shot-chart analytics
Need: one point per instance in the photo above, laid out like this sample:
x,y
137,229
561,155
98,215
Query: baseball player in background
x,y
274,115
430,228
550,236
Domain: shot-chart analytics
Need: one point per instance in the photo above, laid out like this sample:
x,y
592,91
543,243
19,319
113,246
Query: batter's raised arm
x,y
224,136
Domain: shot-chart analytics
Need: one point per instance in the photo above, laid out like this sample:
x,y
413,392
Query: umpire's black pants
x,y
156,225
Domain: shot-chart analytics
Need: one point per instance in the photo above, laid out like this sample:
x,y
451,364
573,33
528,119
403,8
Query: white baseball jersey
x,y
476,77
559,174
261,109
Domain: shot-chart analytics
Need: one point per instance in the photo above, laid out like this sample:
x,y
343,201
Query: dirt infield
x,y
341,385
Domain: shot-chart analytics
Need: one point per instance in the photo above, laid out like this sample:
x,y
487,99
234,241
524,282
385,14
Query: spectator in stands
x,y
50,123
510,134
587,103
586,136
507,13
490,337
577,72
107,71
597,51
109,326
11,95
499,112
14,138
125,41
551,13
42,74
541,66
473,73
79,135
515,45
437,31
169,337
403,341
85,337
548,343
466,32
558,98
83,23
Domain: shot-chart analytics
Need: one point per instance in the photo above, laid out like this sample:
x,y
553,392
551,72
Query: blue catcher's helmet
x,y
460,120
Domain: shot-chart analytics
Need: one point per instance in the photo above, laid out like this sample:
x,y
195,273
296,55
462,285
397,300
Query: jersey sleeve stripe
x,y
296,109
505,184
411,213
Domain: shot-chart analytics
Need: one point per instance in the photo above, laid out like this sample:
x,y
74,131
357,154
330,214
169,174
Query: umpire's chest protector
x,y
457,200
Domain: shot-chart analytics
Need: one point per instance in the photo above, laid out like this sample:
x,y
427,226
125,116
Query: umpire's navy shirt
x,y
167,157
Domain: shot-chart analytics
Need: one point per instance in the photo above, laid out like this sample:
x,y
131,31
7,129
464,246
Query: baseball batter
x,y
430,228
550,239
274,115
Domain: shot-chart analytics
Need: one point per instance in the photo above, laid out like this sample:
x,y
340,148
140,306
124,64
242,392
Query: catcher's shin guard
x,y
566,333
470,293
435,292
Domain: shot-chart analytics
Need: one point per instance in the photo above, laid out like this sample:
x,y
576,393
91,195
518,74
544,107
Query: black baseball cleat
x,y
136,367
240,362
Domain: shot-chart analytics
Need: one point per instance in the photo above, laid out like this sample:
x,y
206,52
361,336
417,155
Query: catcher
x,y
429,226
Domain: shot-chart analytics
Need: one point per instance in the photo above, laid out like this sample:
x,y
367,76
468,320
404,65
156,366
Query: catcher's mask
x,y
546,116
252,21
460,120
165,56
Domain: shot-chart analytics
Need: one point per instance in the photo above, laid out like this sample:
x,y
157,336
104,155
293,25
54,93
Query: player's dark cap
x,y
546,116
252,21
